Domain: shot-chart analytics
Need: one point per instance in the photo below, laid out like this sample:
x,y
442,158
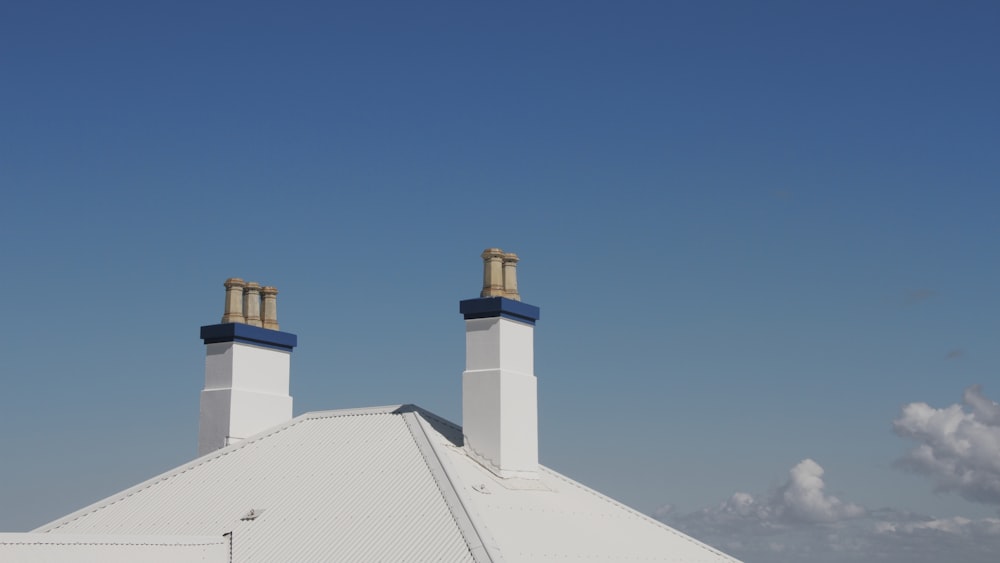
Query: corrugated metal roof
x,y
381,484
555,518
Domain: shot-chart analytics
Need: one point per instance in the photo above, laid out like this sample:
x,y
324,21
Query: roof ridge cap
x,y
428,414
481,545
354,411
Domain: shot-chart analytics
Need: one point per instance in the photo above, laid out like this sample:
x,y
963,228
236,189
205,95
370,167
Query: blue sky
x,y
755,231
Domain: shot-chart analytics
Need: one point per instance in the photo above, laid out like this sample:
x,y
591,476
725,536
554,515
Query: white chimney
x,y
499,388
246,370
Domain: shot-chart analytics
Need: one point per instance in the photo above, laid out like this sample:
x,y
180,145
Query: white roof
x,y
380,484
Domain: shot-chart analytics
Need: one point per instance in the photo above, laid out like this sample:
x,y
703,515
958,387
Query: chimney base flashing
x,y
515,475
249,334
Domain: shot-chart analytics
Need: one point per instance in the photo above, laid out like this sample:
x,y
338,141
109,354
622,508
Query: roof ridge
x,y
357,411
481,546
428,414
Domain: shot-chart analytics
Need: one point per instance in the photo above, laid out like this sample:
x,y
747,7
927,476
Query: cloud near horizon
x,y
958,446
801,499
800,521
785,524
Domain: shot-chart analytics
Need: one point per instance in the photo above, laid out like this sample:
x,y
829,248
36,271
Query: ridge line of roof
x,y
428,414
460,513
384,409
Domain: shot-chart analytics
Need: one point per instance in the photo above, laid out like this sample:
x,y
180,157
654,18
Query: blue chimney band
x,y
249,334
488,307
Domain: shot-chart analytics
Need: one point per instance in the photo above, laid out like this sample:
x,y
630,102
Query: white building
x,y
393,483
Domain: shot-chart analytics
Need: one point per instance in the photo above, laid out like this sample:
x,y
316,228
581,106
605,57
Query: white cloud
x,y
958,447
800,500
984,409
803,499
786,522
955,525
799,521
912,537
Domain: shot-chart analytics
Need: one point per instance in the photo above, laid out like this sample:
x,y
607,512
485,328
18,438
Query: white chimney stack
x,y
499,388
246,369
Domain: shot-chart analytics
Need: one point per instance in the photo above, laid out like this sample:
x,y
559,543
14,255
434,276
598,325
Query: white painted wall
x,y
246,392
500,396
75,548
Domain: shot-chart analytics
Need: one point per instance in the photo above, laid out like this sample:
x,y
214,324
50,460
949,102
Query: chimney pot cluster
x,y
499,274
249,303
